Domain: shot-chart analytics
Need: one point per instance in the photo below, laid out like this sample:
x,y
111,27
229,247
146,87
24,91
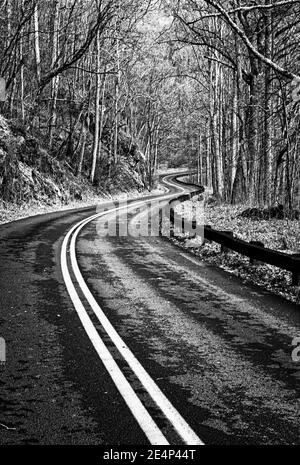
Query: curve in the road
x,y
139,411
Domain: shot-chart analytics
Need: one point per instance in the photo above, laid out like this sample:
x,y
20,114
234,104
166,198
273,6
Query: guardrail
x,y
254,250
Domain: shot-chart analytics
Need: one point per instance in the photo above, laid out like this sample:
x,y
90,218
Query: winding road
x,y
126,339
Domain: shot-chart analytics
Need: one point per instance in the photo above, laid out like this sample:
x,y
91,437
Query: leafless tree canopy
x,y
211,83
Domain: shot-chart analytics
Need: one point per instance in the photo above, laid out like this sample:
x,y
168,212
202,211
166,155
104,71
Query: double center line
x,y
139,411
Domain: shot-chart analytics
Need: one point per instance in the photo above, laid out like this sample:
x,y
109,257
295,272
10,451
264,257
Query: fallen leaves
x,y
277,234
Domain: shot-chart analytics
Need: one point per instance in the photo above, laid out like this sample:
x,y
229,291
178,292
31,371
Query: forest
x,y
209,84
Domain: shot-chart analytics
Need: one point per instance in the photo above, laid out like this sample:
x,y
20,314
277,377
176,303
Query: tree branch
x,y
247,9
284,72
104,16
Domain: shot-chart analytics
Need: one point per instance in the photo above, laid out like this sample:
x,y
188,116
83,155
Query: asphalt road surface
x,y
121,339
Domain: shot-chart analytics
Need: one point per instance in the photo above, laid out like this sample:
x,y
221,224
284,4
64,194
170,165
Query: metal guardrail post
x,y
258,244
223,248
172,222
160,221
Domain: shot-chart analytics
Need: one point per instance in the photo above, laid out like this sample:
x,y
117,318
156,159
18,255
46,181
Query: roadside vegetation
x,y
282,235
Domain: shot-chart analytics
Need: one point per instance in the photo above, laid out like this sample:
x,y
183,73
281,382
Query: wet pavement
x,y
220,350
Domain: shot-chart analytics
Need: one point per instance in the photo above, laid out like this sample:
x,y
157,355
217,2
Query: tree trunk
x,y
102,114
267,149
37,44
22,73
97,111
117,90
55,80
252,139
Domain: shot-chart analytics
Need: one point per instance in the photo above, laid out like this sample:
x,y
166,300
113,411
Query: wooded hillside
x,y
214,84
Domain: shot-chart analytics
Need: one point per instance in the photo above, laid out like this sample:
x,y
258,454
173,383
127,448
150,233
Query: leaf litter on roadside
x,y
278,234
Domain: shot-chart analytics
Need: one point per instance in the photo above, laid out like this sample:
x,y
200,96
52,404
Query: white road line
x,y
179,424
151,430
192,260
